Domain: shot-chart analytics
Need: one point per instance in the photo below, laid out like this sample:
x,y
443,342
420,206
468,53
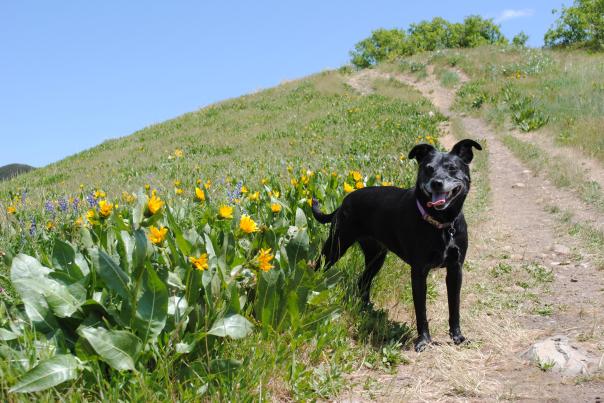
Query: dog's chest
x,y
446,253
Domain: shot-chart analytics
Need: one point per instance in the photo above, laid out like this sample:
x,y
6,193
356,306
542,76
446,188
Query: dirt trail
x,y
518,227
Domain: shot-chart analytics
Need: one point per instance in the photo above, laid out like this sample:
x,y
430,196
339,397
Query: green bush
x,y
580,25
384,45
520,39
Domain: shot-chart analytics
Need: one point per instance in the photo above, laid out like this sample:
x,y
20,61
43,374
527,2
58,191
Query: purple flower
x,y
23,197
76,203
32,227
50,207
91,200
63,204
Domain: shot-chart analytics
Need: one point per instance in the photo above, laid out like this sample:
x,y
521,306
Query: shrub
x,y
384,45
580,25
520,39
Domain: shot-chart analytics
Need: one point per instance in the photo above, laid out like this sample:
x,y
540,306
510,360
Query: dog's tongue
x,y
438,199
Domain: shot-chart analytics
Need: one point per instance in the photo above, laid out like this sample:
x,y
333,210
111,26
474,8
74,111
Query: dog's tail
x,y
319,215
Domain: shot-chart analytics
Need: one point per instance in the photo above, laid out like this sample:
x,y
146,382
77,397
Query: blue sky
x,y
75,73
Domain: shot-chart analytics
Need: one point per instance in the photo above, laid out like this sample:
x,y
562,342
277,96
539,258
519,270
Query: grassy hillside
x,y
263,155
558,91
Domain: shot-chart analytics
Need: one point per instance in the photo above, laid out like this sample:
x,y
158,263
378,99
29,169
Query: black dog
x,y
424,226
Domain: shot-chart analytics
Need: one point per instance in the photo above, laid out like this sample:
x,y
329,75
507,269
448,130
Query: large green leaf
x,y
152,307
300,218
59,297
139,253
111,273
64,258
297,248
48,373
117,348
23,269
235,326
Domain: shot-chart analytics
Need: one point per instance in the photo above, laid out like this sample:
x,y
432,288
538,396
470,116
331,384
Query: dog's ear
x,y
463,150
420,151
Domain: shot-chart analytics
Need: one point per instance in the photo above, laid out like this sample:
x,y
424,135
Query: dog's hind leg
x,y
375,254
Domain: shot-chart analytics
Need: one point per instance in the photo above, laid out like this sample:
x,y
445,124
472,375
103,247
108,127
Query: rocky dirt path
x,y
519,234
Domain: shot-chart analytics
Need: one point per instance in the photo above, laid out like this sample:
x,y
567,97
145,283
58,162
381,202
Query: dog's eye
x,y
429,169
452,168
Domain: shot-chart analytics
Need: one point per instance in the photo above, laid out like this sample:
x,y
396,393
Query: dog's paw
x,y
457,337
421,343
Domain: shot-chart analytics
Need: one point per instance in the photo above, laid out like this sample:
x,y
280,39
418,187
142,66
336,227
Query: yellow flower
x,y
147,186
244,190
157,235
347,187
359,185
356,175
11,210
201,196
178,153
275,194
208,184
378,176
254,196
309,201
225,211
154,204
177,183
90,216
78,222
128,197
387,183
294,182
275,207
264,258
199,181
179,191
264,181
304,179
105,208
50,225
201,262
248,225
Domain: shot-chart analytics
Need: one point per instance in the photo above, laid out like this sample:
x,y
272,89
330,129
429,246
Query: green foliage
x,y
580,25
520,39
387,45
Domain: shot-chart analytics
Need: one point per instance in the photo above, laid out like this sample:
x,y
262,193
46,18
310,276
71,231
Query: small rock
x,y
526,172
554,264
573,280
560,356
516,257
518,185
561,249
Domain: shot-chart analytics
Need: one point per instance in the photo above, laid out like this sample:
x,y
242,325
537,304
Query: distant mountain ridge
x,y
11,170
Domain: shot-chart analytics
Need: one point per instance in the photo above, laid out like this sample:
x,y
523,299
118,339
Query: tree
x,y
581,25
382,45
520,39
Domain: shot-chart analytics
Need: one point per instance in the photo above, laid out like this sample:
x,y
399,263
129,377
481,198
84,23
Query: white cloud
x,y
510,14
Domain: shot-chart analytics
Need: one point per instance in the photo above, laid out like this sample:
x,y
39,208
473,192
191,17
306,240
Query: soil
x,y
518,228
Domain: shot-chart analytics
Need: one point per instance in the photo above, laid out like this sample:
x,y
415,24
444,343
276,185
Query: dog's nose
x,y
436,184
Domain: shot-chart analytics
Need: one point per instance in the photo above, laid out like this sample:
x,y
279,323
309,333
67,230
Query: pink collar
x,y
427,217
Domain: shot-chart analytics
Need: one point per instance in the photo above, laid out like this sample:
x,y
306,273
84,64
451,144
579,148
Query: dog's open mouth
x,y
440,200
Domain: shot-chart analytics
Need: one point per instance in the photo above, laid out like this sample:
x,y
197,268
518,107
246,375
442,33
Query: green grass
x,y
563,87
317,124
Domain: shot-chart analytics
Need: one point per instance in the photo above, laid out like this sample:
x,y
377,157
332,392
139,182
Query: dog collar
x,y
427,217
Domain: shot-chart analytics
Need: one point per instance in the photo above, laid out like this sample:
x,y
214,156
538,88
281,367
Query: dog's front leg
x,y
454,278
418,286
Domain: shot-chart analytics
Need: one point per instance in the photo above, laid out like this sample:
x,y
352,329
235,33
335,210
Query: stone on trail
x,y
566,359
561,249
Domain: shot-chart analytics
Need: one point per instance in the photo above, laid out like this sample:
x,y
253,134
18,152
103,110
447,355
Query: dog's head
x,y
443,179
